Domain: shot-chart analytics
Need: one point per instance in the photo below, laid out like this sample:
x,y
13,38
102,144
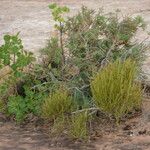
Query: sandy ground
x,y
33,20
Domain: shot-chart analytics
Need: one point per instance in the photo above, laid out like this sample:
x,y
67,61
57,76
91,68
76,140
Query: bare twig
x,y
86,109
61,43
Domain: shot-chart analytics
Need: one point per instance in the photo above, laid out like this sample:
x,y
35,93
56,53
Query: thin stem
x,y
14,61
61,43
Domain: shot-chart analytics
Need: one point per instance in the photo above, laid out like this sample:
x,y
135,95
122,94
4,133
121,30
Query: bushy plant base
x,y
114,88
56,104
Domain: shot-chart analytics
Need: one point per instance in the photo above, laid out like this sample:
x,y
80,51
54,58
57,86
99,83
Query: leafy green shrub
x,y
20,106
114,90
93,37
78,126
56,104
13,55
17,106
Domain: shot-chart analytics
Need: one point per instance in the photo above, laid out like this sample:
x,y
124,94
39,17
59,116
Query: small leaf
x,y
7,38
53,6
65,9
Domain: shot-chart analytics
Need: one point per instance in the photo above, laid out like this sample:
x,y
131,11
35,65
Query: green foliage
x,y
20,106
57,12
79,126
16,59
114,90
94,39
56,104
87,42
13,55
17,106
52,53
92,36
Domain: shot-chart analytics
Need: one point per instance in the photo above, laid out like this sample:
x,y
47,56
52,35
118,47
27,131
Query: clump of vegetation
x,y
90,41
94,39
14,60
114,89
20,106
13,55
78,126
56,104
85,44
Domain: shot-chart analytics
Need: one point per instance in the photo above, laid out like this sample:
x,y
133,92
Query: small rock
x,y
130,133
142,132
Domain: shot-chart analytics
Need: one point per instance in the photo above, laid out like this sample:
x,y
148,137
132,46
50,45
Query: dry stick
x,y
94,110
87,109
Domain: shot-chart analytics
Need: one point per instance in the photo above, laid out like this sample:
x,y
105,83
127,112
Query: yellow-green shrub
x,y
114,90
78,128
56,104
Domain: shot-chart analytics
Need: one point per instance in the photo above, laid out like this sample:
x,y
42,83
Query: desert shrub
x,y
88,41
58,103
114,89
85,43
94,39
78,125
92,36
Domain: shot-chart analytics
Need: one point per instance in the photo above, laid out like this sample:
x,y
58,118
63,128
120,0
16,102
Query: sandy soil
x,y
33,19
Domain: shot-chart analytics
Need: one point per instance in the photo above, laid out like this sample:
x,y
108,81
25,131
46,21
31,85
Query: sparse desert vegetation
x,y
89,73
